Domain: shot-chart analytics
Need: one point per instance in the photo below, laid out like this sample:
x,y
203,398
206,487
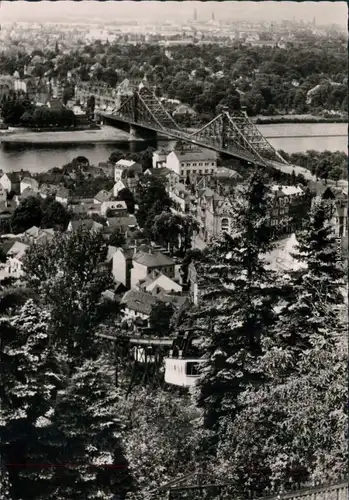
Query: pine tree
x,y
293,426
312,288
86,414
237,295
30,379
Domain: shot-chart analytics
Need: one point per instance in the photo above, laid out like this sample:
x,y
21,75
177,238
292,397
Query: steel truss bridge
x,y
141,112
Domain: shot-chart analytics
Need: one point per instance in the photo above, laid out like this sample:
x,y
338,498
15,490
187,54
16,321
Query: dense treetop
x,y
265,79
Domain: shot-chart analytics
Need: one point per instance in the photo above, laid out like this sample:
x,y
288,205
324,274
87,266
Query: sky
x,y
145,11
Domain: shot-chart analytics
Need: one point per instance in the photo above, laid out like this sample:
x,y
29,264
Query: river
x,y
288,137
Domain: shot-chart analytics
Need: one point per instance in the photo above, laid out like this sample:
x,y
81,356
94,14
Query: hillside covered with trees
x,y
266,80
270,406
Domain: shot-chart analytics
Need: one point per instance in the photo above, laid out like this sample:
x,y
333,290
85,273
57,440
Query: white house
x,y
10,182
144,262
62,195
125,165
29,182
14,261
159,158
121,266
118,186
192,162
119,208
181,197
3,194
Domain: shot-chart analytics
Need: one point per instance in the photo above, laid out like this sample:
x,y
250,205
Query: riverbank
x,y
278,119
105,135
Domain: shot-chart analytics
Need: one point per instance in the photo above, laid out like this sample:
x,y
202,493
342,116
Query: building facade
x,y
192,162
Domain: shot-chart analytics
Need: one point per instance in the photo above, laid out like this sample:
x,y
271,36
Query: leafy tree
x,y
55,216
166,228
87,416
26,215
127,196
69,274
160,318
13,106
160,452
152,198
30,378
116,239
116,156
293,428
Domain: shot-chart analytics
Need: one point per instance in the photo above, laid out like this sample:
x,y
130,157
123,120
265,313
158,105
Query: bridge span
x,y
142,114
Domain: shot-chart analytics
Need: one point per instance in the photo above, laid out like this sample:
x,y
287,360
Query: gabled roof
x,y
156,277
17,250
125,163
139,301
27,193
196,155
103,195
122,222
286,190
181,188
87,223
62,192
153,259
30,180
177,301
160,172
226,173
32,231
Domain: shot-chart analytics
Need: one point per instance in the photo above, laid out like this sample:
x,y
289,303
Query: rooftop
x,y
103,195
153,259
138,301
196,155
128,221
86,223
287,190
125,163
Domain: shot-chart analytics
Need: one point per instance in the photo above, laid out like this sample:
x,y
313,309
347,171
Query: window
x,y
194,164
200,164
273,222
192,368
282,211
275,212
194,171
212,164
182,165
225,224
206,164
200,171
182,172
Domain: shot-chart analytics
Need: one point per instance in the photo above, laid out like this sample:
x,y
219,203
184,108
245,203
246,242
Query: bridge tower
x,y
225,125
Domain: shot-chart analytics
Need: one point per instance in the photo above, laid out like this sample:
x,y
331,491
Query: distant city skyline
x,y
180,12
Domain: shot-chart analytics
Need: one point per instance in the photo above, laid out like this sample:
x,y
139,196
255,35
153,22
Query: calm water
x,y
288,137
